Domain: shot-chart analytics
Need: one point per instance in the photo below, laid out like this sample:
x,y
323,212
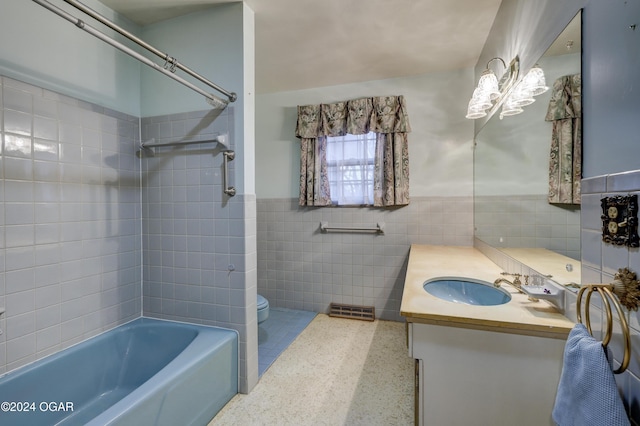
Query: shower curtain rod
x,y
169,61
173,62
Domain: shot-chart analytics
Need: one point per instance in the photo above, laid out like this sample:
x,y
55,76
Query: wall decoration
x,y
626,286
620,220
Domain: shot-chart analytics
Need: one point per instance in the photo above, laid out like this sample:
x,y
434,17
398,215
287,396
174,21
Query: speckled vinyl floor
x,y
337,372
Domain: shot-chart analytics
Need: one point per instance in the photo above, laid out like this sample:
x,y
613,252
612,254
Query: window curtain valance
x,y
565,164
384,115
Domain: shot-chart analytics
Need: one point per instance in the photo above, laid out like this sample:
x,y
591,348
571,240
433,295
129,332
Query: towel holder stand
x,y
608,297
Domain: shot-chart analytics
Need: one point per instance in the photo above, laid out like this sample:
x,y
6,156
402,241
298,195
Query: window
x,y
350,166
344,170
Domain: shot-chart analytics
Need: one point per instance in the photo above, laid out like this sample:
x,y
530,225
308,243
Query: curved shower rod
x,y
170,62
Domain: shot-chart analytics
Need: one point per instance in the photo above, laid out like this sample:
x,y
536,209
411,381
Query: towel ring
x,y
608,297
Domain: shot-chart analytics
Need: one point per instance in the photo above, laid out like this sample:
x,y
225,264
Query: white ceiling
x,y
302,44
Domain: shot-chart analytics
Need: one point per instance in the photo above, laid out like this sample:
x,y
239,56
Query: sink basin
x,y
466,291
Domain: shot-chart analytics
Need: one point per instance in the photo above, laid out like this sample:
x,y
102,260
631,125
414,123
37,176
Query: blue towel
x,y
587,392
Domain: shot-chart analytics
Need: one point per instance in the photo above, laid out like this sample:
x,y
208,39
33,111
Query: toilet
x,y
263,309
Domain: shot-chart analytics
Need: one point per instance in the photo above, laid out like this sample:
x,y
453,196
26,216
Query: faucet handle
x,y
516,277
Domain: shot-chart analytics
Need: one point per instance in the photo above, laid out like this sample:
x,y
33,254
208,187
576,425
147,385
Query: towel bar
x,y
378,229
608,297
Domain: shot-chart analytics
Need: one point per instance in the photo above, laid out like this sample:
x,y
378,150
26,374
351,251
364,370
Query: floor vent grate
x,y
365,313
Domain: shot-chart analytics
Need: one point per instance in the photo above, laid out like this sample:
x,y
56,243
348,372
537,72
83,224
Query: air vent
x,y
365,313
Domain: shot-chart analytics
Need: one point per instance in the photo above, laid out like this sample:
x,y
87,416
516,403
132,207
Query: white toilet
x,y
263,309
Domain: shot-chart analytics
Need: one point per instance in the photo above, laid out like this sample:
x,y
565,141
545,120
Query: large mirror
x,y
512,211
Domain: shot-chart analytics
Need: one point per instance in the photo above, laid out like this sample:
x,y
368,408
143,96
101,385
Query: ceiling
x,y
303,44
569,41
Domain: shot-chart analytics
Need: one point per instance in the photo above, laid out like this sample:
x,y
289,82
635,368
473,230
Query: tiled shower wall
x,y
601,261
69,222
300,267
196,239
528,221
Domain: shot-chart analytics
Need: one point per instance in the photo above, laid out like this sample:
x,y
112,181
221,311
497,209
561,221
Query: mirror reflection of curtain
x,y
384,115
565,164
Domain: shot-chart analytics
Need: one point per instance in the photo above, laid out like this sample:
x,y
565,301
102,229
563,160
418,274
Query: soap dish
x,y
546,292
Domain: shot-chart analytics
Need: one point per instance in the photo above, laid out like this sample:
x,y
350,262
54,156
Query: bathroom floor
x,y
336,372
277,332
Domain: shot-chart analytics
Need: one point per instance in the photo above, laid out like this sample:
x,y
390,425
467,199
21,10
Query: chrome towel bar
x,y
149,145
228,155
378,229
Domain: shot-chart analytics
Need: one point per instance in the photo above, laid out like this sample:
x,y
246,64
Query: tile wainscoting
x,y
528,221
301,268
601,261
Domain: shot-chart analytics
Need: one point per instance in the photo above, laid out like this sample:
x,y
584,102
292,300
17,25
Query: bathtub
x,y
146,372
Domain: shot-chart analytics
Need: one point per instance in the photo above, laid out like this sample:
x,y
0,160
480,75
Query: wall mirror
x,y
511,178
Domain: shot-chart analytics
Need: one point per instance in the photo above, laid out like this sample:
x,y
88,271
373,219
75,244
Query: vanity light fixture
x,y
510,107
534,81
532,84
478,104
508,92
490,93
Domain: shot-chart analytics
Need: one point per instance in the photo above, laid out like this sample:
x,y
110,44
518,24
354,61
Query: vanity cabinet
x,y
480,365
475,376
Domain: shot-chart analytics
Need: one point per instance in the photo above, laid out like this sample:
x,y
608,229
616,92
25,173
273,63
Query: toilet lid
x,y
262,302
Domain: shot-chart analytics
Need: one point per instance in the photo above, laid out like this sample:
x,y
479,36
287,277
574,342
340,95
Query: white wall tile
x,y
42,206
348,266
191,229
601,262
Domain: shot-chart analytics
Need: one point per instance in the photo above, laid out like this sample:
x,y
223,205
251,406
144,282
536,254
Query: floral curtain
x,y
314,180
565,164
385,115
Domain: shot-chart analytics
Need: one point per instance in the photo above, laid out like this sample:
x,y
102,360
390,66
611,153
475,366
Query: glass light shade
x,y
521,95
480,100
489,84
509,107
535,81
474,112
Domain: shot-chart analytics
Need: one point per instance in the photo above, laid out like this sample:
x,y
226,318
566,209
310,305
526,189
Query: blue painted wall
x,y
41,48
210,43
611,87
